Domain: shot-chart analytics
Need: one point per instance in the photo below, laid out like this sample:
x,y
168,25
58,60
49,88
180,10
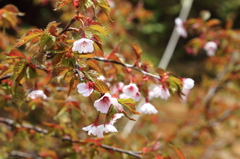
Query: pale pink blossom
x,y
131,91
37,93
147,108
114,102
109,126
115,89
116,117
85,88
180,27
210,47
161,92
151,95
111,3
83,46
188,83
103,103
95,130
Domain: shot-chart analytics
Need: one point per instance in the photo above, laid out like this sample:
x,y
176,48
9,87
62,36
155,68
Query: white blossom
x,y
103,103
83,46
85,88
147,108
161,92
95,130
180,27
37,93
210,47
131,91
188,83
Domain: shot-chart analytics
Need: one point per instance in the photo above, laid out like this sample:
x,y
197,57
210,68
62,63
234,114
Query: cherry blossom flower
x,y
37,93
116,117
103,103
131,91
85,88
111,3
188,83
95,130
147,108
115,89
210,47
161,92
114,102
180,27
83,46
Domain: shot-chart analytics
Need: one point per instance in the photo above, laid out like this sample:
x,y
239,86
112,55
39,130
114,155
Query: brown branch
x,y
67,26
24,155
125,65
11,123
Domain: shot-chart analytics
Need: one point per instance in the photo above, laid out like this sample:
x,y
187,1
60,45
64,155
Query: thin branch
x,y
23,155
68,25
124,65
4,77
11,123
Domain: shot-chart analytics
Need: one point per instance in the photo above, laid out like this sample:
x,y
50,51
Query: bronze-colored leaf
x,y
101,86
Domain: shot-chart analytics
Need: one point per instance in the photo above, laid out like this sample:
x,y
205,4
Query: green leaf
x,y
129,103
19,71
174,84
100,29
19,95
29,36
31,73
104,5
46,42
101,86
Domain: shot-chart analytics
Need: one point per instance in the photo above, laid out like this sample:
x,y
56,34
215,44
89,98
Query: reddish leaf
x,y
213,22
61,3
28,36
94,65
15,52
178,152
13,9
130,104
59,71
137,50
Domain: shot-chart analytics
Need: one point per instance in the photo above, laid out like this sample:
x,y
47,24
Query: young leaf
x,y
129,103
99,29
16,53
46,42
57,59
104,5
137,50
101,86
179,153
58,71
61,3
94,65
29,36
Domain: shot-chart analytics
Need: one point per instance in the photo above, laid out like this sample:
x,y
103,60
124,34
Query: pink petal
x,y
103,103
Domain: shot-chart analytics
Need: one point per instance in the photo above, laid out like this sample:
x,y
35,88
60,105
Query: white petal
x,y
116,117
110,128
37,93
103,103
188,83
148,108
130,90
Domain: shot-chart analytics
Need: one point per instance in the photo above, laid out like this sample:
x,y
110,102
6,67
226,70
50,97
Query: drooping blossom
x,y
83,46
147,108
117,105
85,88
180,27
159,91
95,130
210,47
131,91
37,93
117,88
103,103
100,129
188,83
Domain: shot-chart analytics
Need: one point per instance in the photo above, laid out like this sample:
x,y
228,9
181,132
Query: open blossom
x,y
210,47
95,130
147,108
83,46
115,89
131,91
85,88
100,129
103,103
37,93
180,27
161,92
188,83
